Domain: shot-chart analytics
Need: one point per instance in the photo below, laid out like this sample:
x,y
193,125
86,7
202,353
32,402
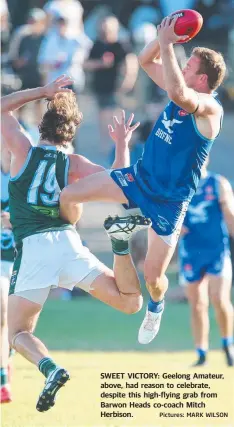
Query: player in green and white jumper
x,y
7,258
49,250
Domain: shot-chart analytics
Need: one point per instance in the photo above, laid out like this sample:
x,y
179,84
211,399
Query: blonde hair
x,y
61,119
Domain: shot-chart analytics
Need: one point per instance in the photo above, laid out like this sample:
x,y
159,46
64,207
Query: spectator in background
x,y
25,62
23,31
108,58
5,26
71,10
146,91
61,53
18,10
9,81
24,51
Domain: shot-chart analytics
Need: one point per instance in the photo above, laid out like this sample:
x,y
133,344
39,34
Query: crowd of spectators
x,y
42,39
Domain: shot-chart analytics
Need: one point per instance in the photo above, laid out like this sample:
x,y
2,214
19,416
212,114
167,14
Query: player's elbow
x,y
141,60
5,115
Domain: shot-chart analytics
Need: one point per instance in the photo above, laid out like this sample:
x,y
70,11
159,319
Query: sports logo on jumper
x,y
209,189
129,177
183,113
199,212
209,193
168,124
51,155
121,178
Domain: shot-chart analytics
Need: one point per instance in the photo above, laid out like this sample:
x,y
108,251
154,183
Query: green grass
x,y
78,403
92,338
87,324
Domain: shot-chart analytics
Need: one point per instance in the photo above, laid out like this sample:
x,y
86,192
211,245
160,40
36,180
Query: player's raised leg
x,y
99,186
23,314
120,288
157,260
197,293
220,296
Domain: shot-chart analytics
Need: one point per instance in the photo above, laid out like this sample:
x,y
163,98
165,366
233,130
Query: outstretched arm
x,y
81,167
14,136
18,99
151,62
121,134
202,104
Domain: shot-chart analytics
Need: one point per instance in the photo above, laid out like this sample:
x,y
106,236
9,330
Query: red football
x,y
189,23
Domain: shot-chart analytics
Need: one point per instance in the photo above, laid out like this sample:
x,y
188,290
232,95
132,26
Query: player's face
x,y
190,72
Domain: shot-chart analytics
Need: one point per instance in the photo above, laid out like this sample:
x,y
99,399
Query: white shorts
x,y
53,259
6,269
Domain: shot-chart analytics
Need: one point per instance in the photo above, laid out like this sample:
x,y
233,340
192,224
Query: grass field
x,y
78,404
98,339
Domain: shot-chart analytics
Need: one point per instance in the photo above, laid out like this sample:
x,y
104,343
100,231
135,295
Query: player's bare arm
x,y
18,99
121,133
151,62
201,104
227,203
14,137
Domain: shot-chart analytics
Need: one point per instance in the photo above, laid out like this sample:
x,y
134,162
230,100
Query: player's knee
x,y
220,301
133,304
13,334
65,197
155,280
3,317
199,306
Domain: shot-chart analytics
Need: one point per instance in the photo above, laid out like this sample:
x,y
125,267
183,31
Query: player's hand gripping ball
x,y
189,22
179,27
